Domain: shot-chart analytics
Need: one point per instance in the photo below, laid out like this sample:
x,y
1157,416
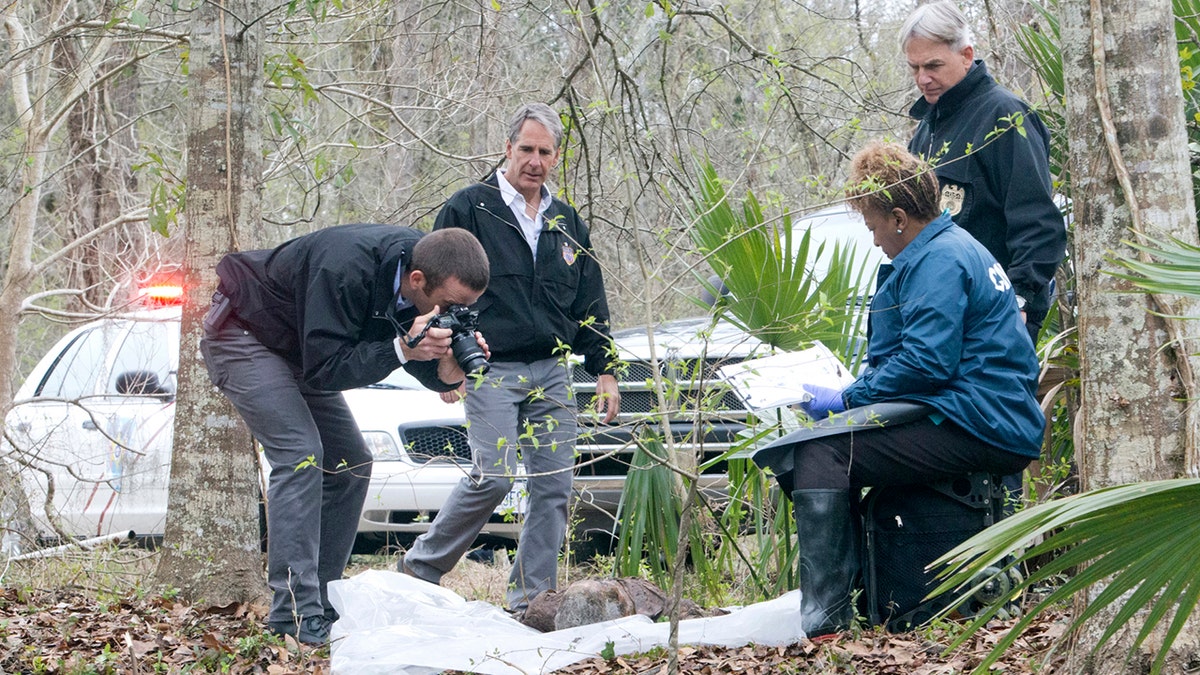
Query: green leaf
x,y
139,19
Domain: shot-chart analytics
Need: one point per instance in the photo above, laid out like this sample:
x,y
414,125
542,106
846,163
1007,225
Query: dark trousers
x,y
904,454
313,507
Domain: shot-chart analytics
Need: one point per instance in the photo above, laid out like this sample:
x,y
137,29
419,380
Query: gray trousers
x,y
521,413
312,511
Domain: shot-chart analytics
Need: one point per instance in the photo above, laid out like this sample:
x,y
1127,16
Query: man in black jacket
x,y
991,154
291,328
545,296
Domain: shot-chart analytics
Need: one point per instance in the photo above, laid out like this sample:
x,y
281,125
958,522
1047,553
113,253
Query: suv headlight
x,y
382,446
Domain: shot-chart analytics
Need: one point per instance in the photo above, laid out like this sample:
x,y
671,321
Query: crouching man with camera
x,y
290,329
545,296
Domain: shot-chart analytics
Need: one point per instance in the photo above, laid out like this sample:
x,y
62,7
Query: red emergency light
x,y
162,295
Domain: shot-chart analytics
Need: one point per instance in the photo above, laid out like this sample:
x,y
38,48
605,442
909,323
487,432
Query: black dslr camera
x,y
462,321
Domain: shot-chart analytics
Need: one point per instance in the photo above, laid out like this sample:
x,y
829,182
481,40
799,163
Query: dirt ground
x,y
93,614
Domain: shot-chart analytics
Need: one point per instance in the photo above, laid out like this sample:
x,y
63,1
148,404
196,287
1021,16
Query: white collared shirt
x,y
530,227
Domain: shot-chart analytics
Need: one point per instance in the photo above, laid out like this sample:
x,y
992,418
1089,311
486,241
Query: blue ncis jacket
x,y
945,330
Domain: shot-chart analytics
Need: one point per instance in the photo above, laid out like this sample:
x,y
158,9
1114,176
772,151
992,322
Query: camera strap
x,y
412,341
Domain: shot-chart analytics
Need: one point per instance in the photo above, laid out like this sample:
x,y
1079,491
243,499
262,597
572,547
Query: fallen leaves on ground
x,y
874,652
72,631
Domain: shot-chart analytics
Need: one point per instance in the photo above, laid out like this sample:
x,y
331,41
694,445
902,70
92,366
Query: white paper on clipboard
x,y
777,380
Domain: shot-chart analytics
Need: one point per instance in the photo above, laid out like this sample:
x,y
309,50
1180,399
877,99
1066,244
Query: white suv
x,y
705,417
96,417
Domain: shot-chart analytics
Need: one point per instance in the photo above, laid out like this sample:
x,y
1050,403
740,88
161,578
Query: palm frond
x,y
1142,541
765,265
648,512
1173,268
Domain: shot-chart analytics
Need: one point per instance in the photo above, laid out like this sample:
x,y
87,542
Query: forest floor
x,y
94,613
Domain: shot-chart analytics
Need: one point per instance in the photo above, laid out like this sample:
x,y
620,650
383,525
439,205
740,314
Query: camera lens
x,y
468,354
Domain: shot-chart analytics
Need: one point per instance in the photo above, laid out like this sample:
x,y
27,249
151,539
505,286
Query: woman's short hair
x,y
452,252
938,22
540,113
886,176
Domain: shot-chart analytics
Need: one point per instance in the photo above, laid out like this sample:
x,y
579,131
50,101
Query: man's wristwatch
x,y
1021,302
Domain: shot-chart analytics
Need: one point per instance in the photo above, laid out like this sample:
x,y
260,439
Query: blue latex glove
x,y
823,402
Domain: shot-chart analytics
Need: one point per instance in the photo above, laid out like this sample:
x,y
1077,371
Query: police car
x,y
90,435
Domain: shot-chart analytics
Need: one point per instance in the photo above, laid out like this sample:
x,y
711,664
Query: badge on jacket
x,y
953,197
568,253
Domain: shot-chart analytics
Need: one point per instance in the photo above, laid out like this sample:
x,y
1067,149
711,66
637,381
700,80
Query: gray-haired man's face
x,y
936,67
530,159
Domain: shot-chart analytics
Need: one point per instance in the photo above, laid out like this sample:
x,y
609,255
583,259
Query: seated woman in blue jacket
x,y
945,331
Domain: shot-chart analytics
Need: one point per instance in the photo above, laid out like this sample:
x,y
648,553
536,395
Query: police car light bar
x,y
162,295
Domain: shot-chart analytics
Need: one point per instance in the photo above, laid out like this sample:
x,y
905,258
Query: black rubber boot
x,y
829,559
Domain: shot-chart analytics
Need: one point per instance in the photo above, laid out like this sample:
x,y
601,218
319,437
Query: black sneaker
x,y
311,630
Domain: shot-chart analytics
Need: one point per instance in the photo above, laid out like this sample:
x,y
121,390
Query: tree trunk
x,y
16,525
211,544
1129,169
19,271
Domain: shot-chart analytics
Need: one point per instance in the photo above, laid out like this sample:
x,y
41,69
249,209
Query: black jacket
x,y
1001,192
322,302
528,310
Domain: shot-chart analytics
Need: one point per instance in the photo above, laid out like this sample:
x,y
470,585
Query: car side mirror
x,y
713,291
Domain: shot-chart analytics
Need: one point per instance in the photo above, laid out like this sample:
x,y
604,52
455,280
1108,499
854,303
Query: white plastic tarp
x,y
393,623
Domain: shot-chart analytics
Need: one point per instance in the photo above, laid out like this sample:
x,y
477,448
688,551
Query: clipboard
x,y
776,381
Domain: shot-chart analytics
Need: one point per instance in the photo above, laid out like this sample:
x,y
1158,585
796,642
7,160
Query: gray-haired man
x,y
995,185
545,292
